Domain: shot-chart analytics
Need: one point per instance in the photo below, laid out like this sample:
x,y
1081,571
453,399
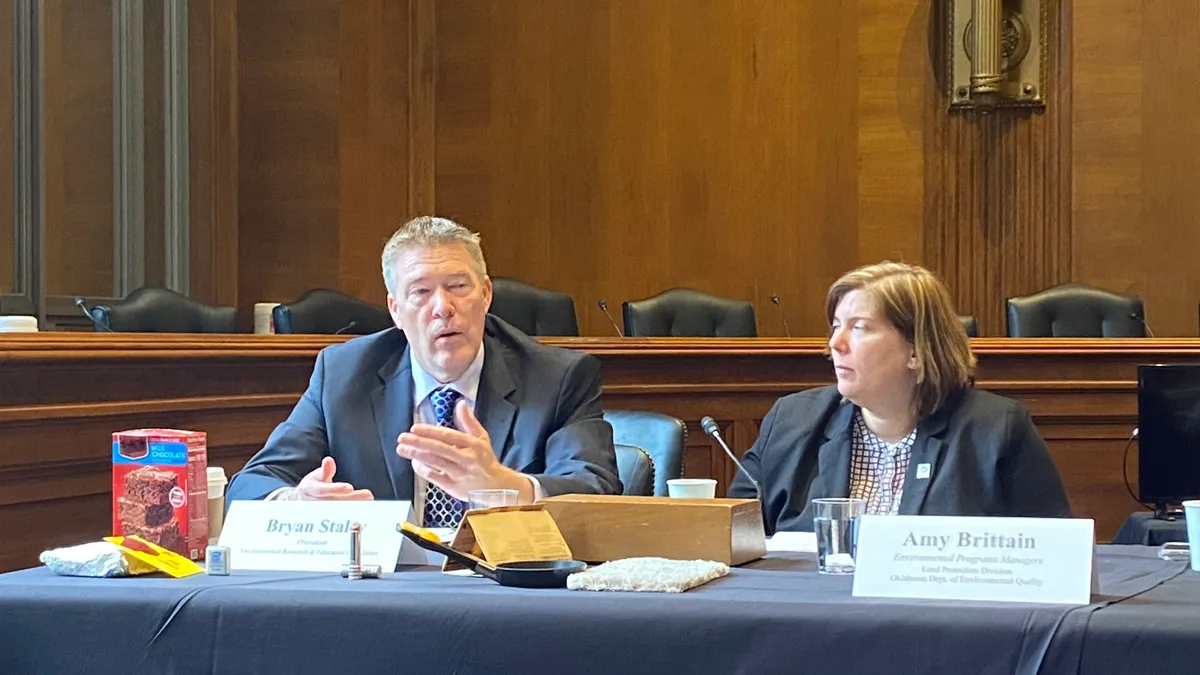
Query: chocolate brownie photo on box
x,y
133,513
165,535
149,486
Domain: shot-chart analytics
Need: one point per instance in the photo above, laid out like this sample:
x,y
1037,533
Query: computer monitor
x,y
1168,434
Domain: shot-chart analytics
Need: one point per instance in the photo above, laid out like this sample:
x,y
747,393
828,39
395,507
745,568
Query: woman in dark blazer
x,y
903,428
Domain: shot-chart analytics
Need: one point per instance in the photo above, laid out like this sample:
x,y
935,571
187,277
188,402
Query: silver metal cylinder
x,y
354,569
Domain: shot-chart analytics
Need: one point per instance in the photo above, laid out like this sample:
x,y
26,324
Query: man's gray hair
x,y
426,231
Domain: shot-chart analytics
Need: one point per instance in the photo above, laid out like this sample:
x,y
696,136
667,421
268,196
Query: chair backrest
x,y
636,470
151,309
1075,310
682,312
662,437
970,325
533,310
326,312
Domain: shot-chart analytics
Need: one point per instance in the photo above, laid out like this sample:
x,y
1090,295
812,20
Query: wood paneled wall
x,y
743,149
1135,207
6,156
78,147
287,147
997,217
213,149
614,149
334,141
154,80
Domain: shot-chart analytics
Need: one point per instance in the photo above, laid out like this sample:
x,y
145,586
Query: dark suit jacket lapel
x,y
493,408
392,402
833,457
927,450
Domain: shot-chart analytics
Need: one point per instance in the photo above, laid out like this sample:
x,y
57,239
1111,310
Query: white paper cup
x,y
216,502
692,488
1191,514
264,323
18,324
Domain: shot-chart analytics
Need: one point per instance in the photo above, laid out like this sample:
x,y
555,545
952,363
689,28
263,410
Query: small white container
x,y
264,322
216,502
692,488
18,324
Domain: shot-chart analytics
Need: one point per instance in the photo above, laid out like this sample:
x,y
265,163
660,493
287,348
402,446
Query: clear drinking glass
x,y
487,499
835,522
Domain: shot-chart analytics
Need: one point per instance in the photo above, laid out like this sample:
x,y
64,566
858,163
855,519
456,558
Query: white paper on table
x,y
794,542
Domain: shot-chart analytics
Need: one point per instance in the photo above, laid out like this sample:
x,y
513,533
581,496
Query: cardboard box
x,y
160,488
600,528
505,534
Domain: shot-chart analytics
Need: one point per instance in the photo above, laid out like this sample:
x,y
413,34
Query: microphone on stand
x,y
97,323
1134,315
710,427
604,308
782,314
350,326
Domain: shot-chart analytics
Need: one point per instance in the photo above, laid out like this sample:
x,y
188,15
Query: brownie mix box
x,y
160,488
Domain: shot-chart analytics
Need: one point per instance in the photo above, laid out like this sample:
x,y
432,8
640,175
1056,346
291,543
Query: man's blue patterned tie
x,y
441,509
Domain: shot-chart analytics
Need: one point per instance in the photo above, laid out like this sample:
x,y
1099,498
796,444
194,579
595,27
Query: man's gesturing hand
x,y
460,461
318,484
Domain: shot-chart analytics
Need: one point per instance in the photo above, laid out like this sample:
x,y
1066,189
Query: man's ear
x,y
393,308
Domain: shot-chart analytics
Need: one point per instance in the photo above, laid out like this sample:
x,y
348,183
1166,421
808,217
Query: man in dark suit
x,y
451,401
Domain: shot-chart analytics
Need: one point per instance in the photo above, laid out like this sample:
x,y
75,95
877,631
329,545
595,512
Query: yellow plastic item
x,y
134,548
419,531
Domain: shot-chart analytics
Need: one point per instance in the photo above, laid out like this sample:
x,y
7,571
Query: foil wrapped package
x,y
94,559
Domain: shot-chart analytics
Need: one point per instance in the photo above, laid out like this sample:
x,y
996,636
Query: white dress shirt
x,y
468,387
423,385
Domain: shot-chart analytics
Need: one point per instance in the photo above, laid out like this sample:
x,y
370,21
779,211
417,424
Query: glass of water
x,y
835,521
490,499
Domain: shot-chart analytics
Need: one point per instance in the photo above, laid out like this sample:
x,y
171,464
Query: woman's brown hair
x,y
918,304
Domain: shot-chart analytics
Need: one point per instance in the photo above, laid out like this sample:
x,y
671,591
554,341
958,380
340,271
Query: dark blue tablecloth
x,y
774,615
1143,529
1155,632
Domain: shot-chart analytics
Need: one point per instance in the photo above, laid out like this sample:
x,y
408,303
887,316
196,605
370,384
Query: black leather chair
x,y
1075,310
533,310
151,309
970,324
661,436
636,470
325,312
682,312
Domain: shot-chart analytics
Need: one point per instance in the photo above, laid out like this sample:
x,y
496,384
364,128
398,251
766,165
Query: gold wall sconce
x,y
996,51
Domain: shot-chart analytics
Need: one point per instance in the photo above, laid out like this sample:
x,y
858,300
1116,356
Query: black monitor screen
x,y
1168,433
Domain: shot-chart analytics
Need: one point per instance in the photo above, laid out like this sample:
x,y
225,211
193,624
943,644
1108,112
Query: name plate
x,y
1043,560
314,536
